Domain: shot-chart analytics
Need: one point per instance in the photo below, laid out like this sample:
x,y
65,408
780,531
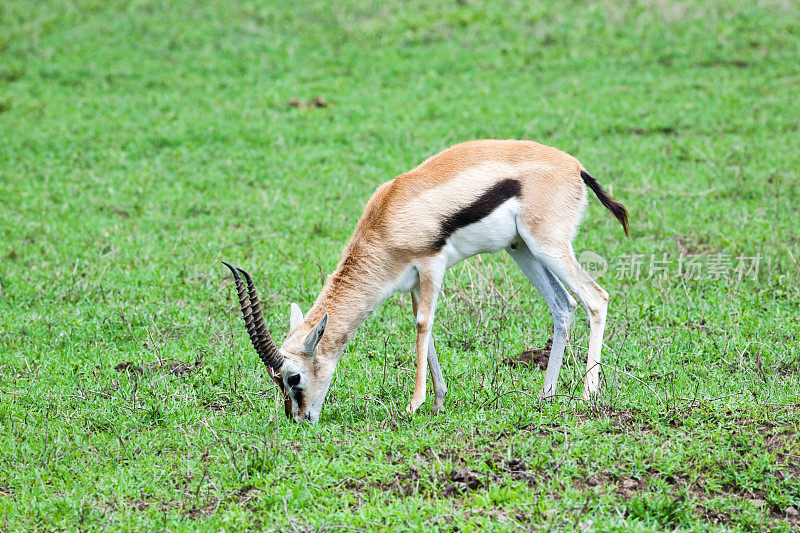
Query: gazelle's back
x,y
421,209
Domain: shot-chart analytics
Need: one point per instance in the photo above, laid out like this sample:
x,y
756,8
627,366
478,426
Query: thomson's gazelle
x,y
476,197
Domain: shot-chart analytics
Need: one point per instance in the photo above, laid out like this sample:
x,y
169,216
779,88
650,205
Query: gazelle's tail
x,y
616,208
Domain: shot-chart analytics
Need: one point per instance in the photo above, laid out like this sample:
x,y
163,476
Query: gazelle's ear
x,y
314,337
295,317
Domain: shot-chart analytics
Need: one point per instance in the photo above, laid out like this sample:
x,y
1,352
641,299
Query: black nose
x,y
308,416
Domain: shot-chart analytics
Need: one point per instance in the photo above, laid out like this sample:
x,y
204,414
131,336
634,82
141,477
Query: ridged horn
x,y
254,320
268,348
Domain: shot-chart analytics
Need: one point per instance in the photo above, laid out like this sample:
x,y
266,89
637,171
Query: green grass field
x,y
143,142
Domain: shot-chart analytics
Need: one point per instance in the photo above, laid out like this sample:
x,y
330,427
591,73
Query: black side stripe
x,y
490,200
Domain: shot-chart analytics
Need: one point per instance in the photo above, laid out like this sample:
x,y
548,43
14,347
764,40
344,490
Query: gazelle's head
x,y
306,377
303,377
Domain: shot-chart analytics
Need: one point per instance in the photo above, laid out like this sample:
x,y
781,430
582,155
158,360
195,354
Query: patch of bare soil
x,y
185,369
532,358
689,245
208,508
758,499
623,486
128,366
175,368
430,478
464,480
461,480
713,516
787,368
622,421
315,102
779,438
661,130
214,406
684,484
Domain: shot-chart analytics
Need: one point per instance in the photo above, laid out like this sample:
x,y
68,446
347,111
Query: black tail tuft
x,y
616,208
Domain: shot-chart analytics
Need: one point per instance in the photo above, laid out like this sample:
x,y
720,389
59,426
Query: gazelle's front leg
x,y
439,386
430,282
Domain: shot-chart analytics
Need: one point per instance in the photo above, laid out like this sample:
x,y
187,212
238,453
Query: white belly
x,y
408,279
490,234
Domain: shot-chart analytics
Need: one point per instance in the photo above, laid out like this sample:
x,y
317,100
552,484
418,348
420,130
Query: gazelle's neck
x,y
349,296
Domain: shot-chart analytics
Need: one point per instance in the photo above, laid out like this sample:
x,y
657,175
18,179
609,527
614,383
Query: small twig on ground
x,y
637,379
135,388
388,411
708,400
505,394
236,432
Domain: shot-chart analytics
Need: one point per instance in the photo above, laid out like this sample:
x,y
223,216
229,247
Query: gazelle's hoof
x,y
437,407
412,407
590,395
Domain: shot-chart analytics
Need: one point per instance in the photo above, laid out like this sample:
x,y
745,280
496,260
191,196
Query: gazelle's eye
x,y
293,380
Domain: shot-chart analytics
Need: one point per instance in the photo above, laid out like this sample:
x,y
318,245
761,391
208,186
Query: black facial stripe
x,y
298,399
490,200
287,406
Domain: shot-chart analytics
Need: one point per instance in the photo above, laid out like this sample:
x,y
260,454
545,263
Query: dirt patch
x,y
214,406
624,486
787,368
175,368
779,438
462,481
314,103
423,479
532,358
713,516
208,508
758,499
662,130
700,490
690,245
128,366
140,505
502,469
621,421
242,496
627,487
185,369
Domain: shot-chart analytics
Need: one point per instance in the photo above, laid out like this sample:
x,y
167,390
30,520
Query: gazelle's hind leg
x,y
439,387
560,260
562,308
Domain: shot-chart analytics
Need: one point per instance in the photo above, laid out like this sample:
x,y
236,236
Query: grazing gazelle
x,y
476,197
